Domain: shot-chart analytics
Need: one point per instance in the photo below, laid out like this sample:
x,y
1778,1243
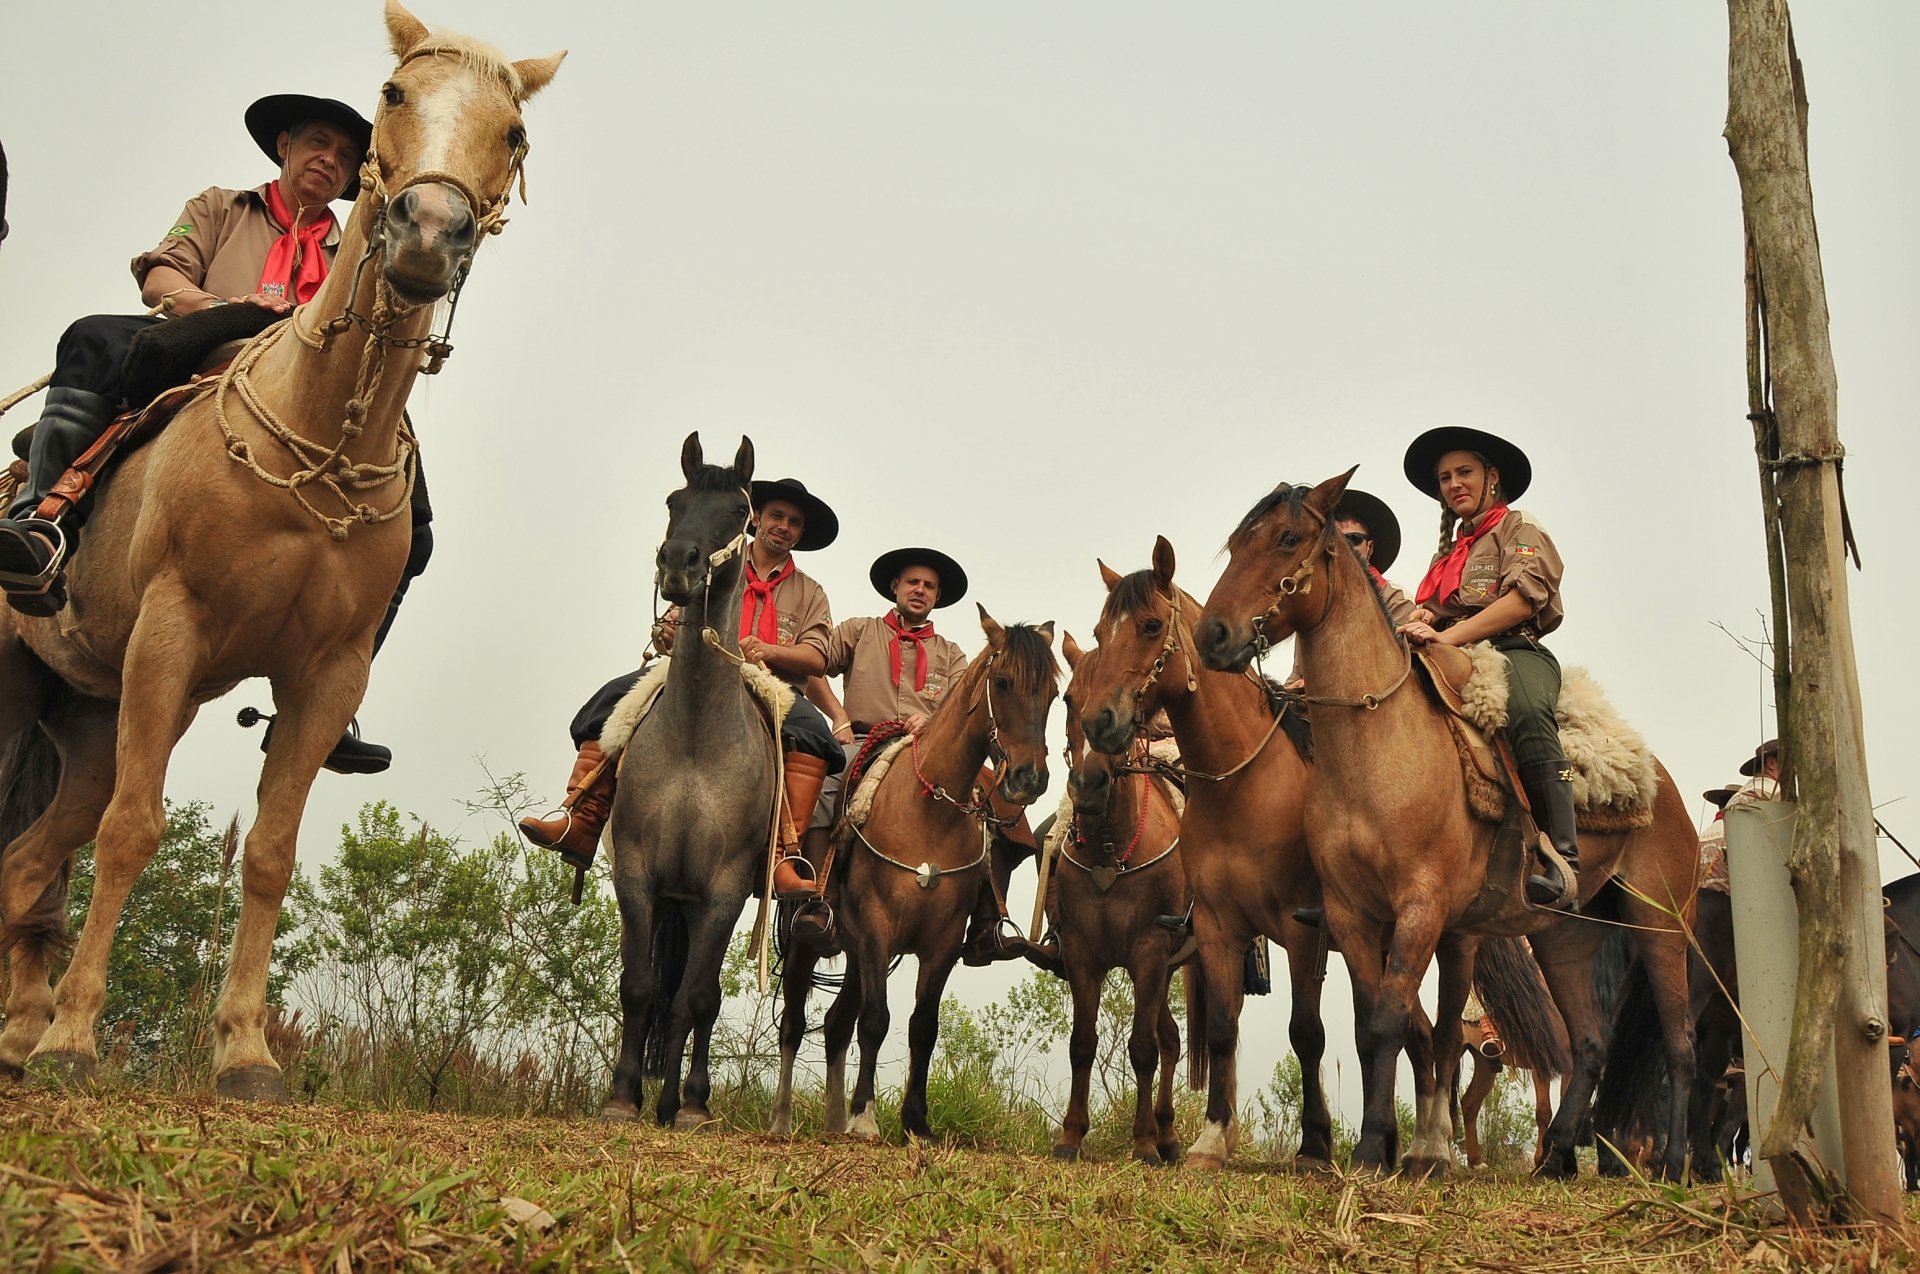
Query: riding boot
x,y
574,833
1549,787
29,547
793,875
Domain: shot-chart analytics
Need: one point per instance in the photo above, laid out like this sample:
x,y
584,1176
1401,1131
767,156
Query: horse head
x,y
1017,687
1146,654
1281,549
706,525
1090,773
448,143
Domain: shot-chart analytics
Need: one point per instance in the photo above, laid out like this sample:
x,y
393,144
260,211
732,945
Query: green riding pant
x,y
1533,692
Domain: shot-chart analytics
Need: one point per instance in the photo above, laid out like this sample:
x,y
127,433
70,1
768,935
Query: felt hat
x,y
823,525
1424,452
887,567
276,113
1721,795
1372,512
1751,766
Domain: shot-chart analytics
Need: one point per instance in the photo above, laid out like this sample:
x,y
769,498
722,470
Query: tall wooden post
x,y
1841,993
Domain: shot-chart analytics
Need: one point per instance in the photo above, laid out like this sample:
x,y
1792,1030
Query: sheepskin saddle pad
x,y
1614,779
772,693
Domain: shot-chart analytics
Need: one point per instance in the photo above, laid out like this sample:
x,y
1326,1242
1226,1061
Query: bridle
x,y
981,805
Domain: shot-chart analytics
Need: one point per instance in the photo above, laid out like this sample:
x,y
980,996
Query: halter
x,y
981,806
1077,836
715,560
1167,647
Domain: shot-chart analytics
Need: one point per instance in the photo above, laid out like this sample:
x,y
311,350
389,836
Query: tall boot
x,y
69,423
793,875
1549,787
574,833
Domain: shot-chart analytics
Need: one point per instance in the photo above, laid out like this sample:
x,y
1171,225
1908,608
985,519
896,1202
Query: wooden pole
x,y
1841,991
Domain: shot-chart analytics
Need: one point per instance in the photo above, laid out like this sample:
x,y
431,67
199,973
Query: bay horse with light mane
x,y
202,568
1116,869
1400,854
905,881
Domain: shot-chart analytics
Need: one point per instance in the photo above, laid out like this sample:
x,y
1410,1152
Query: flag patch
x,y
1526,550
179,231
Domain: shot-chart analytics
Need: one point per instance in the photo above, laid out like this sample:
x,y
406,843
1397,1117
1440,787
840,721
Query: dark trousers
x,y
805,729
1533,694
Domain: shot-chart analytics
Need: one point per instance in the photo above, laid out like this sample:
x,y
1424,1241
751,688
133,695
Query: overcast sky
x,y
1033,283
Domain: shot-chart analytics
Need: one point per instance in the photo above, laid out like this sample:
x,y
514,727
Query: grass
x,y
118,1179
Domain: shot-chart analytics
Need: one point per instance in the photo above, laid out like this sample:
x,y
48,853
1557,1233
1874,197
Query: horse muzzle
x,y
1023,784
430,235
1108,731
680,567
1091,789
1224,647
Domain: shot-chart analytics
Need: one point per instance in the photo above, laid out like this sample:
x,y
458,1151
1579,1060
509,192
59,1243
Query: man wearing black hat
x,y
271,247
1364,521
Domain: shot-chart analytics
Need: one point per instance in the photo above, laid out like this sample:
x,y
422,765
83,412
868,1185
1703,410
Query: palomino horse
x,y
1242,835
694,804
1399,852
905,881
1117,869
207,564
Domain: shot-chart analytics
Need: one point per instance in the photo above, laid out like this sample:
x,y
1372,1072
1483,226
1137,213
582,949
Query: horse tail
x,y
29,776
1626,1103
669,968
1196,988
1512,990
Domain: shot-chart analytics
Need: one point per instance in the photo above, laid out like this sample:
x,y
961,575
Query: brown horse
x,y
1242,835
1116,870
905,881
1399,852
273,556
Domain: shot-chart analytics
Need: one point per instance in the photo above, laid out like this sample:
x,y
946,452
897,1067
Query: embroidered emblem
x,y
278,291
179,231
1526,550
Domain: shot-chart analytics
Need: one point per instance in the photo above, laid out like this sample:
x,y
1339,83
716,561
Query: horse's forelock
x,y
1134,592
1286,493
475,55
1029,659
715,477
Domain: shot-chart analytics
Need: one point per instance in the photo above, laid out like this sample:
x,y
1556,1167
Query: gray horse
x,y
693,809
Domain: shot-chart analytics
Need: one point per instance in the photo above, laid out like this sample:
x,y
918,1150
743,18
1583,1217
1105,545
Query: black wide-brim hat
x,y
1424,452
1721,795
887,567
1372,512
823,525
275,114
1751,766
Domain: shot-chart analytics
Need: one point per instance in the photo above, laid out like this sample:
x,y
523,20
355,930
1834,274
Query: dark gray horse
x,y
693,809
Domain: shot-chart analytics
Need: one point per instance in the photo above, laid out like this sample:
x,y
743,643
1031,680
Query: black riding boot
x,y
1549,787
69,423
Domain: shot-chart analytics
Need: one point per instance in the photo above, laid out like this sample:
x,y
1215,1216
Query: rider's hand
x,y
278,304
1421,615
916,721
753,650
1419,632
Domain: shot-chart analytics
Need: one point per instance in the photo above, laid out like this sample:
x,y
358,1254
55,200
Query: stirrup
x,y
810,885
43,581
1558,892
812,925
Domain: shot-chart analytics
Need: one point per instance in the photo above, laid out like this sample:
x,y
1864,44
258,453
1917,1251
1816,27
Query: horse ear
x,y
536,73
1071,650
690,457
405,30
996,635
743,459
1162,562
1046,632
1108,575
1323,497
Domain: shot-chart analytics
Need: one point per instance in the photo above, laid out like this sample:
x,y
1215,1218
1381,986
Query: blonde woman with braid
x,y
1495,577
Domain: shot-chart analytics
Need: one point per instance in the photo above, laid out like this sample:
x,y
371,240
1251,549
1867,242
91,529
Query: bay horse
x,y
1117,869
906,880
694,803
206,564
1399,853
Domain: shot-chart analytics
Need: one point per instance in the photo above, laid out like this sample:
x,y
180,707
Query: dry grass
x,y
121,1180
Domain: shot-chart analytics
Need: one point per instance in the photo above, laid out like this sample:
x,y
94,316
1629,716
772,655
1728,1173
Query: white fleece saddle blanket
x,y
774,695
860,804
1614,778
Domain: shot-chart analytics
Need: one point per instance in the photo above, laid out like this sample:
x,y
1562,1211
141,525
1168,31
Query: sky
x,y
1033,284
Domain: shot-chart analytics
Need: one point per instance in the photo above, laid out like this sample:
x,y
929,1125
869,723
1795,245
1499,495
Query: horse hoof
x,y
1200,1161
1169,1154
1311,1166
691,1119
780,1126
1421,1167
1555,1169
1066,1154
1149,1157
620,1112
251,1083
64,1070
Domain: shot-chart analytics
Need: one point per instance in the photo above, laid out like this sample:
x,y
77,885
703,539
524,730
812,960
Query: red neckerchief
x,y
1379,580
919,637
758,618
1443,577
296,263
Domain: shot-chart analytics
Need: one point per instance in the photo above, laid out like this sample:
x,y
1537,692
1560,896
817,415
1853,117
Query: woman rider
x,y
1496,578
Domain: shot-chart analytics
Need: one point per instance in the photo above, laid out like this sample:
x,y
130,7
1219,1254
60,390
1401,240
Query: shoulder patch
x,y
1525,550
180,230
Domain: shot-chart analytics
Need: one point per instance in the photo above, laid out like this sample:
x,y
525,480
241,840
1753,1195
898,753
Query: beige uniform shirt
x,y
220,241
1515,557
804,618
859,650
1399,606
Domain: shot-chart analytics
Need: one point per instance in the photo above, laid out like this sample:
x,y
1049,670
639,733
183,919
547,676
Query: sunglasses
x,y
1357,538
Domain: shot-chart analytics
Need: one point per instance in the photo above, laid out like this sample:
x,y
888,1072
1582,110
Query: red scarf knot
x,y
297,261
1442,580
919,637
758,618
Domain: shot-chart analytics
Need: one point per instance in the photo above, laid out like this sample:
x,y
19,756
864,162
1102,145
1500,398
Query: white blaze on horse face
x,y
439,112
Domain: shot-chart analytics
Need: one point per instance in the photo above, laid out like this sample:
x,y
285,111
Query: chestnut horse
x,y
273,555
1116,870
905,881
1400,854
1242,836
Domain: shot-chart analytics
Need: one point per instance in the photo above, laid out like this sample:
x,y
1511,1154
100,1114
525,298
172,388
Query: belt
x,y
862,727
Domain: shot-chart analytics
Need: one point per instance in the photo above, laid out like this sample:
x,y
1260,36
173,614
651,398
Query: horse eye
x,y
1288,540
516,137
1002,685
1151,628
392,93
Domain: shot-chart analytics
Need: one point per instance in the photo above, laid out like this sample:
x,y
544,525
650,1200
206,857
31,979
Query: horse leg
x,y
1569,977
1394,991
1307,971
1223,968
1484,1073
1164,1144
638,985
157,673
700,987
312,715
1433,1131
842,1016
1713,1049
1084,981
1663,951
874,1020
1542,1114
796,984
1143,1049
923,1031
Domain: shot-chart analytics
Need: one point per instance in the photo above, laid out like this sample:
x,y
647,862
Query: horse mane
x,y
474,55
1286,493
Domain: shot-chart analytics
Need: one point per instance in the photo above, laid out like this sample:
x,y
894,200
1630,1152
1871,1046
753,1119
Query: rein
x,y
1123,859
1150,764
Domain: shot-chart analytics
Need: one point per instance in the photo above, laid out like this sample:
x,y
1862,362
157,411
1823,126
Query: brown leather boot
x,y
574,832
793,875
